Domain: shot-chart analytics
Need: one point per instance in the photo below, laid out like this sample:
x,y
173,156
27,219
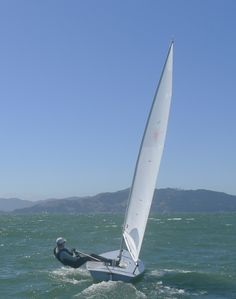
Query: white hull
x,y
127,271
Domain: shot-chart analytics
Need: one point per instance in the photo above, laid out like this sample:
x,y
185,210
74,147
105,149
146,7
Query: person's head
x,y
60,242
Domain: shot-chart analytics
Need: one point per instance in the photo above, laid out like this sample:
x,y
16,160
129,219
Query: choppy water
x,y
186,256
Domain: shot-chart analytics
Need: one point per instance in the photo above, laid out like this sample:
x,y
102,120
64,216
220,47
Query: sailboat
x,y
127,265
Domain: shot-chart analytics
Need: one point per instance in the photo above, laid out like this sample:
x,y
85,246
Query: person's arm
x,y
66,256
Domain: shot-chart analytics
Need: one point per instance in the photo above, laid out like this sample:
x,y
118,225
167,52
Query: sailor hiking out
x,y
74,258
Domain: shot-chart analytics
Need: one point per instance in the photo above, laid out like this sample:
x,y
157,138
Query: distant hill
x,y
197,201
165,201
10,204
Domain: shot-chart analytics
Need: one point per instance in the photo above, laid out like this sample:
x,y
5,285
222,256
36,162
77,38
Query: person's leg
x,y
101,258
82,260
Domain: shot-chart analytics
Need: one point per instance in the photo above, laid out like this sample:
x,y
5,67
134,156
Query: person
x,y
73,258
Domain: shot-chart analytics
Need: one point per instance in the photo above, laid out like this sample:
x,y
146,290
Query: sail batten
x,y
148,162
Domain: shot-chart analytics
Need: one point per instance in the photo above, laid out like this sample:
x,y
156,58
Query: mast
x,y
148,162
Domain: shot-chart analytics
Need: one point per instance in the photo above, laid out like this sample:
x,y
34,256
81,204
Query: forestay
x,y
148,162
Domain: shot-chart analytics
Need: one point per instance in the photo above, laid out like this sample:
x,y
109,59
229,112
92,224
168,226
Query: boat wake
x,y
111,289
70,275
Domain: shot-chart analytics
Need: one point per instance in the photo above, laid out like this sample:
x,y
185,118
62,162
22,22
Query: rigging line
x,y
121,249
135,267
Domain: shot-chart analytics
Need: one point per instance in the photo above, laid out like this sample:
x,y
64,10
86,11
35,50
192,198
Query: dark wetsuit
x,y
67,258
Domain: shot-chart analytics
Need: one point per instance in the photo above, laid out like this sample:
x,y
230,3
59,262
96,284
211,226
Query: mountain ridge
x,y
167,200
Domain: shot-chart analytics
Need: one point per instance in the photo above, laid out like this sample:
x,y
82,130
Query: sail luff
x,y
148,162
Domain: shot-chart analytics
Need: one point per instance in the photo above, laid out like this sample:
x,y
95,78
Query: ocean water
x,y
186,256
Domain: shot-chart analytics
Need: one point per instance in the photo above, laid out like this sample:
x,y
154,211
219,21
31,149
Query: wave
x,y
70,275
161,272
159,290
197,282
66,271
111,289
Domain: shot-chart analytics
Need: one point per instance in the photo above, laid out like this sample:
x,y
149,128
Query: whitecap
x,y
70,275
159,289
74,281
157,273
177,271
162,272
110,225
109,289
171,291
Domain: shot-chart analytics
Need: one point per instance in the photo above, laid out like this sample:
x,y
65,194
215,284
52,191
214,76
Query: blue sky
x,y
77,81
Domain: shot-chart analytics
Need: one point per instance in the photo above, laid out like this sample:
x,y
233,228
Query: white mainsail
x,y
129,265
148,162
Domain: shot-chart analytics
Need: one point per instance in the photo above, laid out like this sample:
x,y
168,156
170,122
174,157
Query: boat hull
x,y
127,271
